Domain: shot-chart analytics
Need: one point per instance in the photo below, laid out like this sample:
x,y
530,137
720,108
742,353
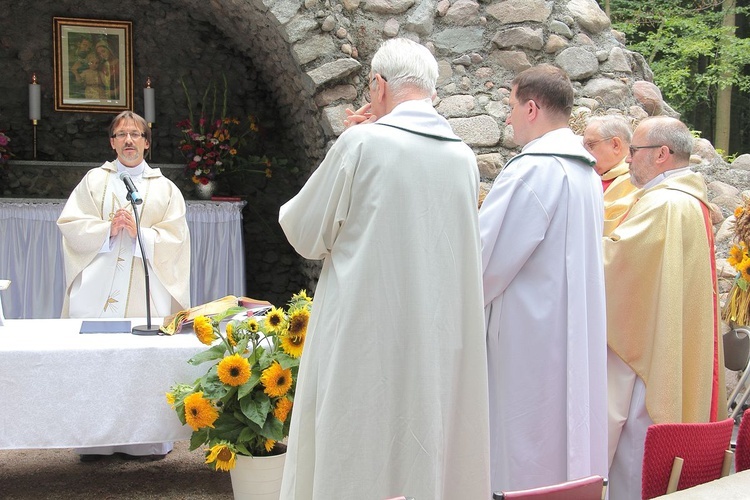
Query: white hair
x,y
404,63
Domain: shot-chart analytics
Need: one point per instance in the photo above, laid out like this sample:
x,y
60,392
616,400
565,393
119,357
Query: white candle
x,y
35,99
149,108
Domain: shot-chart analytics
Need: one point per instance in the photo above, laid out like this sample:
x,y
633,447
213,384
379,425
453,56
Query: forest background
x,y
699,52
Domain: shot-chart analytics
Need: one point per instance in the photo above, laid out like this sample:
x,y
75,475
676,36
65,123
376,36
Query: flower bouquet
x,y
5,153
737,308
242,405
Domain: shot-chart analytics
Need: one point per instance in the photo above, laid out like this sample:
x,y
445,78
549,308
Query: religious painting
x,y
93,65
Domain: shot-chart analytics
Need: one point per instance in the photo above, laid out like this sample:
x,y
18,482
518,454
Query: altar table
x,y
62,389
31,254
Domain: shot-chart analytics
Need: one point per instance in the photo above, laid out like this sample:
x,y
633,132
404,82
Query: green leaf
x,y
248,386
197,438
256,408
743,284
214,353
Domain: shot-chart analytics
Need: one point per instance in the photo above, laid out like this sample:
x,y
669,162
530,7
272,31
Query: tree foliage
x,y
688,49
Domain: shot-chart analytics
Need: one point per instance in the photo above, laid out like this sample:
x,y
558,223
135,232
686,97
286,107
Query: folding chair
x,y
587,488
682,455
742,448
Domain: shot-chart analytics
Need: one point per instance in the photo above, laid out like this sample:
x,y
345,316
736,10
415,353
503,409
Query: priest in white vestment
x,y
541,227
392,391
104,272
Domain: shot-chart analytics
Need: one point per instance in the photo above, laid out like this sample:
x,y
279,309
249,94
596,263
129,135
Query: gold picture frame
x,y
93,65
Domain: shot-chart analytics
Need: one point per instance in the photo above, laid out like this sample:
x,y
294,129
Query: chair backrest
x,y
587,488
702,446
742,450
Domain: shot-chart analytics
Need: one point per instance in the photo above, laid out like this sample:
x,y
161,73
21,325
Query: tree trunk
x,y
724,95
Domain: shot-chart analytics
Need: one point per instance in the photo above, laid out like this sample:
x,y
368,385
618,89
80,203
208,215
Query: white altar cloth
x,y
31,254
62,389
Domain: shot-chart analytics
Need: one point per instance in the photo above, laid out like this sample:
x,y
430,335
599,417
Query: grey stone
x,y
284,10
519,37
464,60
299,28
333,71
312,48
476,131
589,15
391,27
388,6
328,24
334,94
719,188
578,62
460,40
421,20
618,60
456,106
333,119
605,91
742,162
555,43
463,13
490,165
560,28
513,60
518,11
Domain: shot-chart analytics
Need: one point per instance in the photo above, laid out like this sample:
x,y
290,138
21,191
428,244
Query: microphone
x,y
133,194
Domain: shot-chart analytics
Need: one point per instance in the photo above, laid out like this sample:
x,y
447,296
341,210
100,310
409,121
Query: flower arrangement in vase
x,y
242,405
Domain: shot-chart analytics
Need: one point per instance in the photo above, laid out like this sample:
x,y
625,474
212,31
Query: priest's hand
x,y
123,220
362,115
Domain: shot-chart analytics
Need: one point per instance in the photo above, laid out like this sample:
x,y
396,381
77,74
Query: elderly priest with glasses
x,y
665,362
104,274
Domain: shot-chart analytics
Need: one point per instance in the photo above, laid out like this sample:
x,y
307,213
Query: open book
x,y
173,324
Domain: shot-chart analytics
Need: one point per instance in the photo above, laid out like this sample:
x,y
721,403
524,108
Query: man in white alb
x,y
104,273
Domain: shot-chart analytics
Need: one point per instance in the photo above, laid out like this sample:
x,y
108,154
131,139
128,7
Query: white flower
x,y
197,158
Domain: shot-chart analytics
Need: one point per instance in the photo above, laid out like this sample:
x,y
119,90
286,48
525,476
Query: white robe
x,y
92,287
85,228
392,394
545,316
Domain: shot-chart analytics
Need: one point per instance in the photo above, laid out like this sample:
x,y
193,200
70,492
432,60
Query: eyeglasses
x,y
633,149
589,145
366,93
133,135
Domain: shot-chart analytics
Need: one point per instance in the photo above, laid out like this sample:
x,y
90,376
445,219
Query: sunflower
x,y
738,211
170,399
283,407
293,345
234,370
298,322
252,325
230,334
199,412
743,268
204,330
222,456
735,255
302,295
269,444
276,380
275,319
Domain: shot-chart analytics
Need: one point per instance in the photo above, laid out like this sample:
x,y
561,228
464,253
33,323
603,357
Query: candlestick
x,y
35,105
149,107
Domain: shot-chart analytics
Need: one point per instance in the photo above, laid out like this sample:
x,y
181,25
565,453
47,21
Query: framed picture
x,y
93,65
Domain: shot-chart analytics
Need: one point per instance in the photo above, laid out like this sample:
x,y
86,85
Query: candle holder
x,y
35,105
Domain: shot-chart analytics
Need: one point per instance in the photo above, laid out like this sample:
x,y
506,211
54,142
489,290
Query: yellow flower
x,y
252,325
234,370
293,345
283,407
738,211
298,322
302,295
276,380
275,319
269,445
743,266
204,330
230,334
199,412
222,456
170,399
735,255
269,173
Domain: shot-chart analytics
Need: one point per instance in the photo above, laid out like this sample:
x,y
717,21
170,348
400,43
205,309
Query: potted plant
x,y
241,408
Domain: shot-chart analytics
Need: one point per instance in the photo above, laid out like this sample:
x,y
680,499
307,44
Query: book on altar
x,y
173,324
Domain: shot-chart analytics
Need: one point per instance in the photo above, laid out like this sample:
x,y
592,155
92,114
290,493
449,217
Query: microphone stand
x,y
143,329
